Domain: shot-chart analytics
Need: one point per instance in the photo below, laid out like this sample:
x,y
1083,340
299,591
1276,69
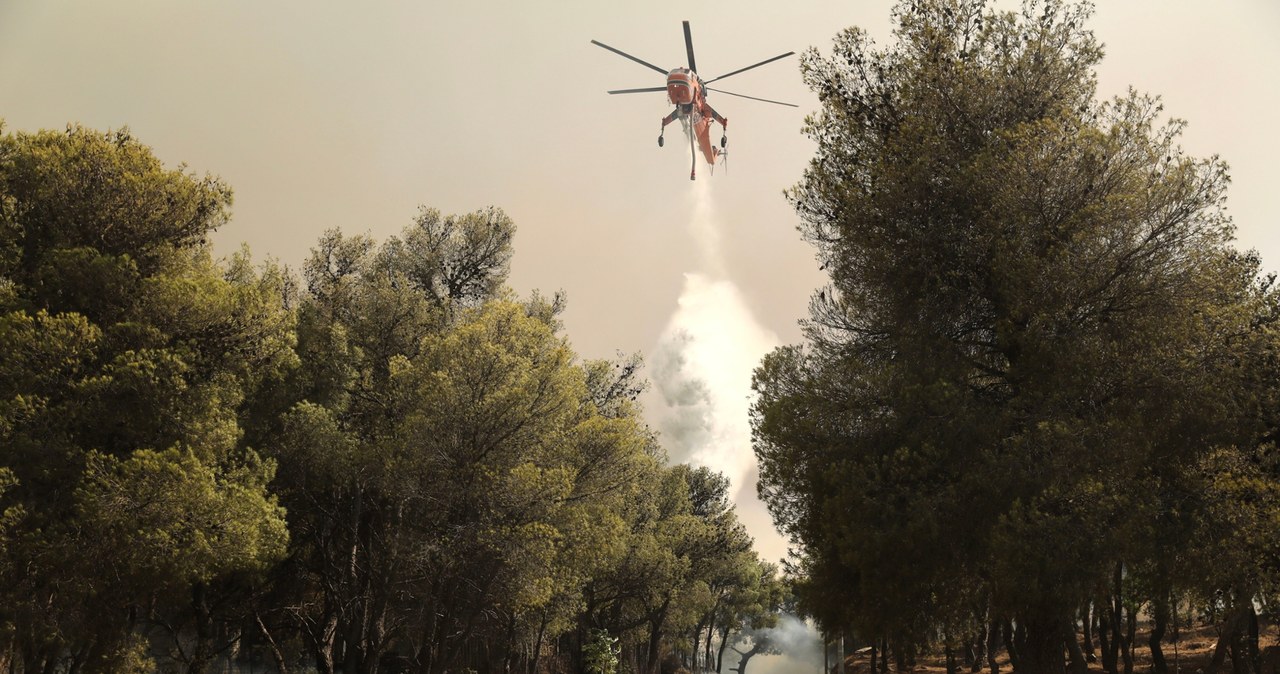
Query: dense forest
x,y
1037,404
1039,400
387,462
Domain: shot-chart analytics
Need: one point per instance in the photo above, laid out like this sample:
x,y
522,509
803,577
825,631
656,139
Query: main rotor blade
x,y
623,54
637,91
743,70
688,46
763,100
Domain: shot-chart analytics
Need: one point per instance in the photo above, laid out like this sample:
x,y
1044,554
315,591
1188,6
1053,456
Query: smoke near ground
x,y
801,648
701,369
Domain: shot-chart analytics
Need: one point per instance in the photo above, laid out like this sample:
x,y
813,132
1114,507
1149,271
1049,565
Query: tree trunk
x,y
508,647
724,641
993,646
376,634
323,645
1177,663
1076,661
1109,654
78,660
697,647
203,651
1160,621
1251,645
10,652
1131,624
282,665
537,644
353,643
1086,621
29,654
1232,627
745,656
978,650
653,666
707,655
1009,648
1115,618
1040,648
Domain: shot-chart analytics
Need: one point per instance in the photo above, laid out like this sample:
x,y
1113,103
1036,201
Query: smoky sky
x,y
350,116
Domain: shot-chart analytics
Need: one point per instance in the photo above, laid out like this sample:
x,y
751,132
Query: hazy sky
x,y
351,115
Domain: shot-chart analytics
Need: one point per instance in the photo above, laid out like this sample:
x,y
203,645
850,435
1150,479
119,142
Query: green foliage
x,y
129,657
132,354
185,520
391,460
106,192
599,655
447,439
1035,329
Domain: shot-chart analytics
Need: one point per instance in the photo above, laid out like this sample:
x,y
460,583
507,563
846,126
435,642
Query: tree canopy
x,y
129,353
1036,337
388,462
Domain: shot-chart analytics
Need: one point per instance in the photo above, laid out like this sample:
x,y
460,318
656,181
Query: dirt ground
x,y
1194,649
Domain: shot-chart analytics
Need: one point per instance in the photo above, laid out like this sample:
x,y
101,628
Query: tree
x,y
1033,300
129,355
687,575
530,475
761,643
454,476
599,656
394,464
460,259
758,607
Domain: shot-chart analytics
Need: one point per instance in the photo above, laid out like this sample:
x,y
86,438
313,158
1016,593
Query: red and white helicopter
x,y
688,92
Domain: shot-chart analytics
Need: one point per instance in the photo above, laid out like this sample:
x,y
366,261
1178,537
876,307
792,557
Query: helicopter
x,y
688,93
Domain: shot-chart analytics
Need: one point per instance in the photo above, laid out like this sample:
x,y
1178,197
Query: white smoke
x,y
702,370
703,362
800,646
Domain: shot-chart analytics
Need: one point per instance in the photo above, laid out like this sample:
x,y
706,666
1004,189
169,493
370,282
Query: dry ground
x,y
1193,652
